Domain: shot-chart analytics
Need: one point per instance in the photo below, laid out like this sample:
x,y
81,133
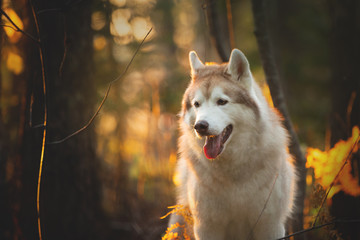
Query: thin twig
x,y
105,96
333,182
65,48
41,125
249,237
350,108
317,227
8,26
31,109
41,53
17,28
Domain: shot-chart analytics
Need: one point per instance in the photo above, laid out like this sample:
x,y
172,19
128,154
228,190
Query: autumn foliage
x,y
172,232
327,165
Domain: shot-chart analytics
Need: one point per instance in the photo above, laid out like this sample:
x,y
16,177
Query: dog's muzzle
x,y
202,127
214,144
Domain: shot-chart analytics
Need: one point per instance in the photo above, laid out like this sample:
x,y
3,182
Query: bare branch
x,y
17,28
105,96
65,49
41,54
8,26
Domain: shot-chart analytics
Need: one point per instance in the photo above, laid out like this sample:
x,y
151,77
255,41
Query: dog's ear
x,y
195,63
239,68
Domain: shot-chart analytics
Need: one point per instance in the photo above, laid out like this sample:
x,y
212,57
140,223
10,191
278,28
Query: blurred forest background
x,y
114,180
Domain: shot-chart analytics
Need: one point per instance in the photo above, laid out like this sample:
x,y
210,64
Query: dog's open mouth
x,y
215,144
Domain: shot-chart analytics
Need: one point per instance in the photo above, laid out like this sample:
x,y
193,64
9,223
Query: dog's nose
x,y
201,127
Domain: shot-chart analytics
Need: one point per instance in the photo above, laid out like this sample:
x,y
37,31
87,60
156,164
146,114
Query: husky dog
x,y
236,176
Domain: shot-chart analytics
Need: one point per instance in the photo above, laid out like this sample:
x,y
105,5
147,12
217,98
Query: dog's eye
x,y
221,102
196,104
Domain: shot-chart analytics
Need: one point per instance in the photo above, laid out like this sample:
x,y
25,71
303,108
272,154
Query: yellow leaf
x,y
327,164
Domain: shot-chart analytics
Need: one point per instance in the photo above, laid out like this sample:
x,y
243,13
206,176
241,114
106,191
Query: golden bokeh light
x,y
120,25
118,3
155,75
14,63
98,20
184,26
122,53
176,179
132,87
99,42
140,26
138,122
107,124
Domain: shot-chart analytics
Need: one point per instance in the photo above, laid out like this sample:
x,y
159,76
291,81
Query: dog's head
x,y
219,102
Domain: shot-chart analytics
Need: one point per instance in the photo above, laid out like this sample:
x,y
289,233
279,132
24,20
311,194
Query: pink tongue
x,y
212,147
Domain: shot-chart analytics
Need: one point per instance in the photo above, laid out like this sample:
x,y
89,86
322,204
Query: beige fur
x,y
227,194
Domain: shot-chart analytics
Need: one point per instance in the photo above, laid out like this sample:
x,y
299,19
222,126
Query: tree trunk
x,y
218,28
345,96
5,213
70,205
266,50
12,133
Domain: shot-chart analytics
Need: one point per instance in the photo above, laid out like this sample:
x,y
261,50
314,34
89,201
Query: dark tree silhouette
x,y
345,96
218,28
70,197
